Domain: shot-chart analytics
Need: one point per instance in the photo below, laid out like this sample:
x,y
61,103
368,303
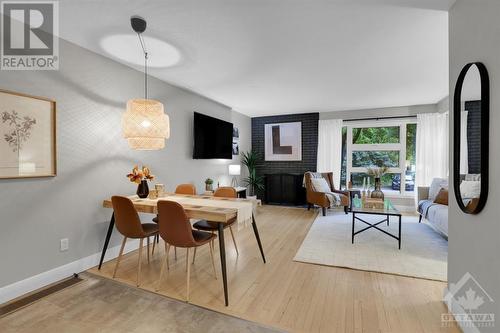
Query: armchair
x,y
319,198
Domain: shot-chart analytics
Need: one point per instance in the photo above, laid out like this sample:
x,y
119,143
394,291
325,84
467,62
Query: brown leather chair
x,y
188,189
176,230
221,192
319,198
185,189
129,225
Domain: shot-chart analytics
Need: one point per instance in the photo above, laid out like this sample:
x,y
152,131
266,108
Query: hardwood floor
x,y
289,295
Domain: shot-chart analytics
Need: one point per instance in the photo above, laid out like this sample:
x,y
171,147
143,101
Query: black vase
x,y
143,189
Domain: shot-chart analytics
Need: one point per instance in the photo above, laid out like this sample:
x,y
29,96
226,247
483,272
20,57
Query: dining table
x,y
210,208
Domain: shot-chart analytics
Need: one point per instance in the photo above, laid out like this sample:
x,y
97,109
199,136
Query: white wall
x,y
474,241
93,159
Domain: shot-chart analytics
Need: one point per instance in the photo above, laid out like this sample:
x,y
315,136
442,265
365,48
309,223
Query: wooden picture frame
x,y
27,136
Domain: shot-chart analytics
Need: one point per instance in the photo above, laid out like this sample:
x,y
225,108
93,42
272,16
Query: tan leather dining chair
x,y
185,189
221,192
129,225
188,189
175,229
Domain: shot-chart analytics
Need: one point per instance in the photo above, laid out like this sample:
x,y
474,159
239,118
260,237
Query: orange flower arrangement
x,y
138,175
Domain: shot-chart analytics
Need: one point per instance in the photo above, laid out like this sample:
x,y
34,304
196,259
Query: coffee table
x,y
387,212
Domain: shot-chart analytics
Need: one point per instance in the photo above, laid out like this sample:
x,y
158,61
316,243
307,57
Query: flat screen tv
x,y
213,138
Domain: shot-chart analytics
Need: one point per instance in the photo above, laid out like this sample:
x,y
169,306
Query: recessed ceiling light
x,y
125,47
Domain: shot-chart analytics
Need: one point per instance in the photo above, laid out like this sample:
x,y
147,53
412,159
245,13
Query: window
x,y
390,143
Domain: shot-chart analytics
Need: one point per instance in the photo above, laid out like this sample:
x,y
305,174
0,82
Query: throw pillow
x,y
320,185
470,189
442,197
436,185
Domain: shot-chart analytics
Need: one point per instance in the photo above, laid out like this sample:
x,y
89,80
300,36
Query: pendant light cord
x,y
143,45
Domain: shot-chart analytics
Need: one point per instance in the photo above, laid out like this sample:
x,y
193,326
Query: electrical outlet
x,y
64,244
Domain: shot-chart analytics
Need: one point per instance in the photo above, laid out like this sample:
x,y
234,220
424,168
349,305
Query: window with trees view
x,y
388,143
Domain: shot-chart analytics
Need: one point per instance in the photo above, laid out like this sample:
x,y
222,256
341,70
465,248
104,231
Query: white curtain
x,y
464,151
432,147
330,148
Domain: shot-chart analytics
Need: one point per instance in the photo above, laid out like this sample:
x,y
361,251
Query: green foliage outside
x,y
377,135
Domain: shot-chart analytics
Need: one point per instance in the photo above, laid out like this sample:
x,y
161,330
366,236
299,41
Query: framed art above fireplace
x,y
283,141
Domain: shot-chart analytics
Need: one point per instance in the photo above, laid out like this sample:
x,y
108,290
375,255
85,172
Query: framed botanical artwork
x,y
283,141
27,136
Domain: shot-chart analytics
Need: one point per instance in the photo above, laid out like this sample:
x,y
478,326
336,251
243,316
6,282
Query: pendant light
x,y
144,124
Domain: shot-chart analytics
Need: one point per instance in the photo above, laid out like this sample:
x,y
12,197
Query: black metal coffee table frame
x,y
375,225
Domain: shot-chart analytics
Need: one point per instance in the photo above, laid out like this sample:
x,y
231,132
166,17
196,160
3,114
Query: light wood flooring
x,y
288,295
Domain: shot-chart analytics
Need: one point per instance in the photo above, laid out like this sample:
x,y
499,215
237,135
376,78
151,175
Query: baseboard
x,y
456,310
30,284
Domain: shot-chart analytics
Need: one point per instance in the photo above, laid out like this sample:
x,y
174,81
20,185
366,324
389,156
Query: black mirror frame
x,y
485,136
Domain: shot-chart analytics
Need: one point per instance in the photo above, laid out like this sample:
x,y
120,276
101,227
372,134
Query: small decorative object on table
x,y
377,172
141,177
208,184
160,190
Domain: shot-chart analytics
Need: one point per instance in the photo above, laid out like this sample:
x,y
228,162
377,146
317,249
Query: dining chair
x,y
188,189
129,225
221,192
175,229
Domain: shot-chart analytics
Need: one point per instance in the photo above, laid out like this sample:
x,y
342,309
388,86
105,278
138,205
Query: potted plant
x,y
141,177
377,172
254,182
208,184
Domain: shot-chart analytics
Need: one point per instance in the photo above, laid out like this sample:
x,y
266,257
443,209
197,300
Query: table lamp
x,y
234,170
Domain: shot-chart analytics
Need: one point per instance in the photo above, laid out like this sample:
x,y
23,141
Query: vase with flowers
x,y
377,172
141,177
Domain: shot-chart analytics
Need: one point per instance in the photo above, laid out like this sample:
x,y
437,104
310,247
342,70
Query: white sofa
x,y
435,214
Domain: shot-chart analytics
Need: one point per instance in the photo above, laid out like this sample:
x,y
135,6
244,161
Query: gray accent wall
x,y
474,244
93,159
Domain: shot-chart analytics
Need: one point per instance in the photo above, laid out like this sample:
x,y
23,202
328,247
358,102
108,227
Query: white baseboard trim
x,y
30,284
456,310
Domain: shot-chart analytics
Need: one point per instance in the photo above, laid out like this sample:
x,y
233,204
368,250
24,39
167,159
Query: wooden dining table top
x,y
211,213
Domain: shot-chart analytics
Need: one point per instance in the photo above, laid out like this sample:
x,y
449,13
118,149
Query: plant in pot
x,y
377,172
254,182
208,184
141,177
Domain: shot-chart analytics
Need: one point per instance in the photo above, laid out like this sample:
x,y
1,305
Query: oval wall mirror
x,y
471,138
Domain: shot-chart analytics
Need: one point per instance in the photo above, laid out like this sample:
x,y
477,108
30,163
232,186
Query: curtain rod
x,y
379,118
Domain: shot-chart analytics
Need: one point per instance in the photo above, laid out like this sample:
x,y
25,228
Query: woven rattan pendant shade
x,y
145,125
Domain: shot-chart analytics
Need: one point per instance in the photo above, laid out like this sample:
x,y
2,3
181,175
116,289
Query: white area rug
x,y
423,254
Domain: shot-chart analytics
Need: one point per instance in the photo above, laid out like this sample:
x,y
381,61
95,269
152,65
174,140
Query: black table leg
x,y
108,237
256,232
387,220
399,236
222,249
353,218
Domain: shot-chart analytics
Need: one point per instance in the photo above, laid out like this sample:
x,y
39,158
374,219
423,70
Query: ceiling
x,y
264,57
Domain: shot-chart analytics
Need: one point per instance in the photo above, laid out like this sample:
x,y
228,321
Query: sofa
x,y
436,214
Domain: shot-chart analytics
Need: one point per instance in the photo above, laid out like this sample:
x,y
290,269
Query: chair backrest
x,y
174,225
309,175
185,189
127,219
225,192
